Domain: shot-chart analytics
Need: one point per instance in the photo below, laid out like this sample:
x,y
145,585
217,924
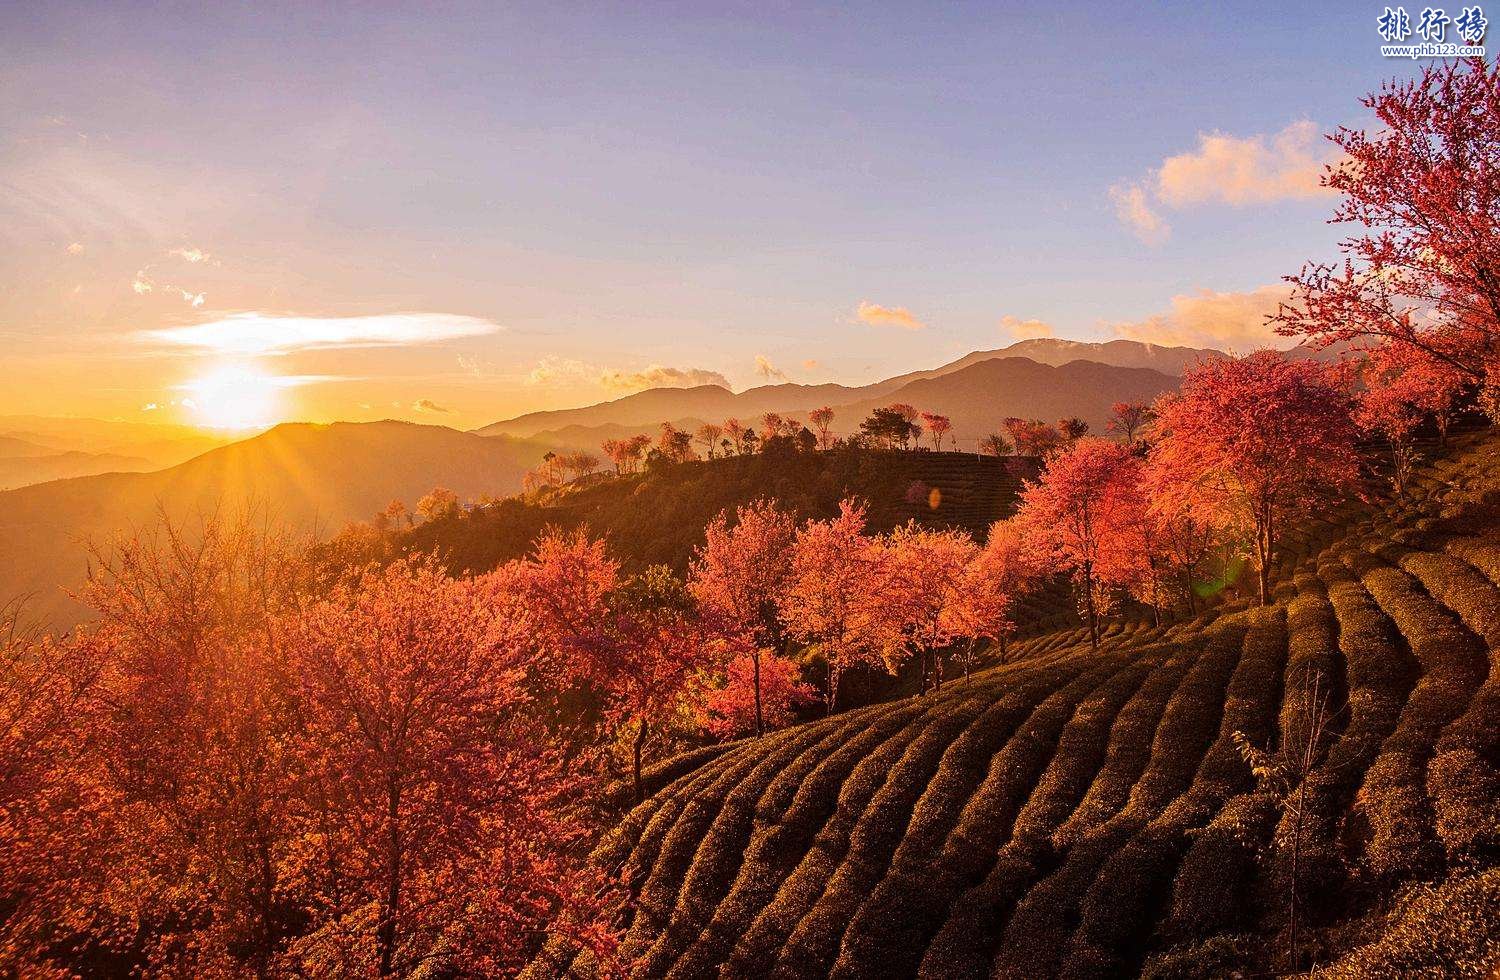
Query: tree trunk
x,y
386,935
760,724
640,743
1088,604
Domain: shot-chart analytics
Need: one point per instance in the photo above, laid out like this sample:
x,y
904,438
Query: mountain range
x,y
319,477
311,477
1040,378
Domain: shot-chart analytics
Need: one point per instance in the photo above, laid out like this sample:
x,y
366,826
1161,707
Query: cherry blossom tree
x,y
758,693
1256,443
937,426
1128,419
738,574
1079,511
822,421
1420,271
924,576
832,597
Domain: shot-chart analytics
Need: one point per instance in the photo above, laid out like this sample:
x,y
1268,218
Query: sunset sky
x,y
254,212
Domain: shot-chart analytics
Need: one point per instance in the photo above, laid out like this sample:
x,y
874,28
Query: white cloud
x,y
267,333
1026,329
1234,322
1134,211
190,254
141,285
765,369
149,407
888,316
661,376
75,249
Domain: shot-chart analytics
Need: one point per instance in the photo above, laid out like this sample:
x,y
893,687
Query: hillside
x,y
659,518
977,392
159,444
314,477
20,471
1088,814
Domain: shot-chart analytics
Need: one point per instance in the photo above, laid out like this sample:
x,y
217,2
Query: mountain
x,y
20,471
689,407
647,409
980,397
160,444
314,477
1056,352
977,392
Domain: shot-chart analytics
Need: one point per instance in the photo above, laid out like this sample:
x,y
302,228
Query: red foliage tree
x,y
654,650
923,577
1256,443
758,693
1400,393
1127,419
428,786
1079,511
1421,273
832,597
1032,437
822,420
938,427
737,575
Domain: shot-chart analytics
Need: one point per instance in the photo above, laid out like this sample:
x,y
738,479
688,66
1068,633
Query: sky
x,y
249,213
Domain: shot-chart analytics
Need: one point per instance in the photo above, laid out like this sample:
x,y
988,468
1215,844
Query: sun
x,y
234,397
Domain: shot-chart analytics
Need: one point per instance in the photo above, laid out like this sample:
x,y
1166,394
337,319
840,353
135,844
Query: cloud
x,y
141,285
660,376
1234,322
75,249
266,333
1134,211
1026,329
149,407
554,370
428,405
565,372
767,370
888,316
190,254
1225,169
810,365
1236,170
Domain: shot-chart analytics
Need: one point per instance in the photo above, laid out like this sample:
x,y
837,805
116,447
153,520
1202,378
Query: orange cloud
x,y
1234,322
1248,170
888,316
1026,329
428,405
661,376
1133,209
767,370
1225,169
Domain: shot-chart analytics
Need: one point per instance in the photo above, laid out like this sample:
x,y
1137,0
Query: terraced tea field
x,y
1087,813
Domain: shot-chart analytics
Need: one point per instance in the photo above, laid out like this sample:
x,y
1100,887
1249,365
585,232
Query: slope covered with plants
x,y
1166,803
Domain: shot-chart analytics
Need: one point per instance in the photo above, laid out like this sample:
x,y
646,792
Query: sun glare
x,y
234,397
